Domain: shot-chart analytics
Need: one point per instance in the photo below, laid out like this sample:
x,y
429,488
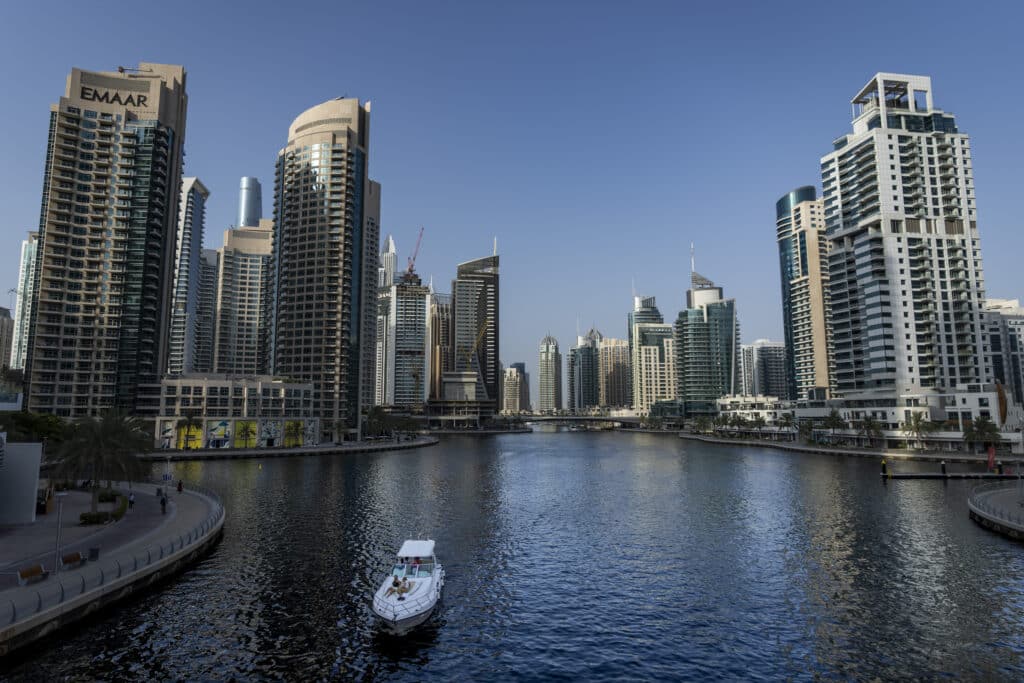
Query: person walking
x,y
181,486
163,505
131,501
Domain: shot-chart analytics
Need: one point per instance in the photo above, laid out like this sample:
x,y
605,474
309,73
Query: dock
x,y
947,475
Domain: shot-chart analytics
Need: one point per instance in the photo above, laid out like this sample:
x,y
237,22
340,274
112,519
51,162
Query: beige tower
x,y
324,264
242,300
101,313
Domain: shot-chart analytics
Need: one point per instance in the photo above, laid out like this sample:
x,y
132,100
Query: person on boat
x,y
415,563
396,586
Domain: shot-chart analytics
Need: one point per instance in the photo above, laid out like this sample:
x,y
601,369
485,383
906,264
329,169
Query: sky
x,y
594,140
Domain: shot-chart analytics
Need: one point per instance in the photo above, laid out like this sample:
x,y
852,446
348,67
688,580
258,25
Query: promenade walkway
x,y
323,449
999,507
140,547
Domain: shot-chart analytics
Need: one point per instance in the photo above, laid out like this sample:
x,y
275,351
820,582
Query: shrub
x,y
87,518
122,507
108,496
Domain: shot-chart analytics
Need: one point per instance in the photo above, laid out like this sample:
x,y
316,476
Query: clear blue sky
x,y
595,140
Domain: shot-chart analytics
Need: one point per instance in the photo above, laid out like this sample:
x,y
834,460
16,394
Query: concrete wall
x,y
19,479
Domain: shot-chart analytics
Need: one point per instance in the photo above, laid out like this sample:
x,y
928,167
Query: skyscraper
x,y
514,390
475,325
549,372
614,387
584,373
803,262
26,292
707,344
250,203
111,183
1004,320
242,300
524,386
187,258
388,264
407,341
763,369
440,342
906,280
326,231
654,365
385,280
206,313
6,336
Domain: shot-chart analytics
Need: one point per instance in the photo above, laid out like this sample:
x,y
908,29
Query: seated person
x,y
396,587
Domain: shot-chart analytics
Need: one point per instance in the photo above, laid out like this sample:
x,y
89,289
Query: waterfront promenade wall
x,y
240,453
999,507
29,613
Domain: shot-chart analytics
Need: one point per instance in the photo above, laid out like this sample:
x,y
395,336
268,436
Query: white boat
x,y
411,590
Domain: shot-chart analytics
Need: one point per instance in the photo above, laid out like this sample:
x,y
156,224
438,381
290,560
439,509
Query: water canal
x,y
600,556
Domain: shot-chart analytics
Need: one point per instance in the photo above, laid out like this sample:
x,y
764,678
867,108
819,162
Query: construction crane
x,y
411,267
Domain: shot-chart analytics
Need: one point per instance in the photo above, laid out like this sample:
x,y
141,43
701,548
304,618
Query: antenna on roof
x,y
495,245
693,266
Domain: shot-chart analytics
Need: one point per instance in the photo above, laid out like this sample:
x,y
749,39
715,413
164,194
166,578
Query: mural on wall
x,y
190,438
312,435
218,434
270,434
293,432
166,438
245,433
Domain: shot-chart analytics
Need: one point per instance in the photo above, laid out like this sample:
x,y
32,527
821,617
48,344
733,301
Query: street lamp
x,y
60,510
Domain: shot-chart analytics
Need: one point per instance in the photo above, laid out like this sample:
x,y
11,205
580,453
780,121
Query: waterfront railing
x,y
980,501
108,573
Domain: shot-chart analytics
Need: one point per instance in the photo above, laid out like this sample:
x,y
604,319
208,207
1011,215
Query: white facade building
x,y
654,365
23,310
187,277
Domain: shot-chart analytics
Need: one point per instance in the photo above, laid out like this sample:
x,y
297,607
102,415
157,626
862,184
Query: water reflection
x,y
576,555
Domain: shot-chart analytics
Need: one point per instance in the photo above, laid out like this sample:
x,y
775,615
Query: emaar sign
x,y
114,97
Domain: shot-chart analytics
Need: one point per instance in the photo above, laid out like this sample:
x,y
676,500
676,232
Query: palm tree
x,y
293,433
871,429
246,430
105,448
188,422
702,425
759,423
834,421
916,426
806,430
787,421
982,431
721,421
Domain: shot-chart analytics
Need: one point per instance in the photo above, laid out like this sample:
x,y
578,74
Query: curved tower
x,y
250,202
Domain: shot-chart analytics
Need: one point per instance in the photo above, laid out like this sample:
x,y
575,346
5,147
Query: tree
x,y
702,425
246,430
104,448
293,433
983,432
759,423
721,421
26,426
917,426
787,421
737,421
834,421
189,422
870,429
806,431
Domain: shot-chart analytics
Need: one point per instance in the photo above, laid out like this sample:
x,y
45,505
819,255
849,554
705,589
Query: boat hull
x,y
406,624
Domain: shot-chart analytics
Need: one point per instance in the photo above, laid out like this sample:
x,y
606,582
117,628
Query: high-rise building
x,y
324,265
101,315
584,373
250,203
654,364
549,372
187,258
475,326
803,262
524,386
514,390
406,376
441,355
6,336
206,313
763,369
243,300
23,311
614,387
388,264
1004,321
707,344
906,281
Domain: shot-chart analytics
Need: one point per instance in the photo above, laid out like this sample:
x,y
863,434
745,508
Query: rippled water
x,y
603,556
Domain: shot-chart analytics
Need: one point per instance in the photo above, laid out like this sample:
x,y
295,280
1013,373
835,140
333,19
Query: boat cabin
x,y
415,560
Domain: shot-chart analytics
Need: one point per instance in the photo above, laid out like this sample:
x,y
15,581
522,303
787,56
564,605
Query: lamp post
x,y
60,514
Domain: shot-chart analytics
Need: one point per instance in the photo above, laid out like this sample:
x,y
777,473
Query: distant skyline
x,y
593,141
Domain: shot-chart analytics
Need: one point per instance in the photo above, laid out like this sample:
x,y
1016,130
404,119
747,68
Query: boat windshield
x,y
398,571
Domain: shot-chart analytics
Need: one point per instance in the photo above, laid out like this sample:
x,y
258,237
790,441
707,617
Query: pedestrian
x,y
181,486
131,501
163,505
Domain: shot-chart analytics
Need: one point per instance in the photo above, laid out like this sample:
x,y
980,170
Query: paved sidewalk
x,y
30,544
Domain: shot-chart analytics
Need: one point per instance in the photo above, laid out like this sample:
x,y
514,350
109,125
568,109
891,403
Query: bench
x,y
72,560
31,574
